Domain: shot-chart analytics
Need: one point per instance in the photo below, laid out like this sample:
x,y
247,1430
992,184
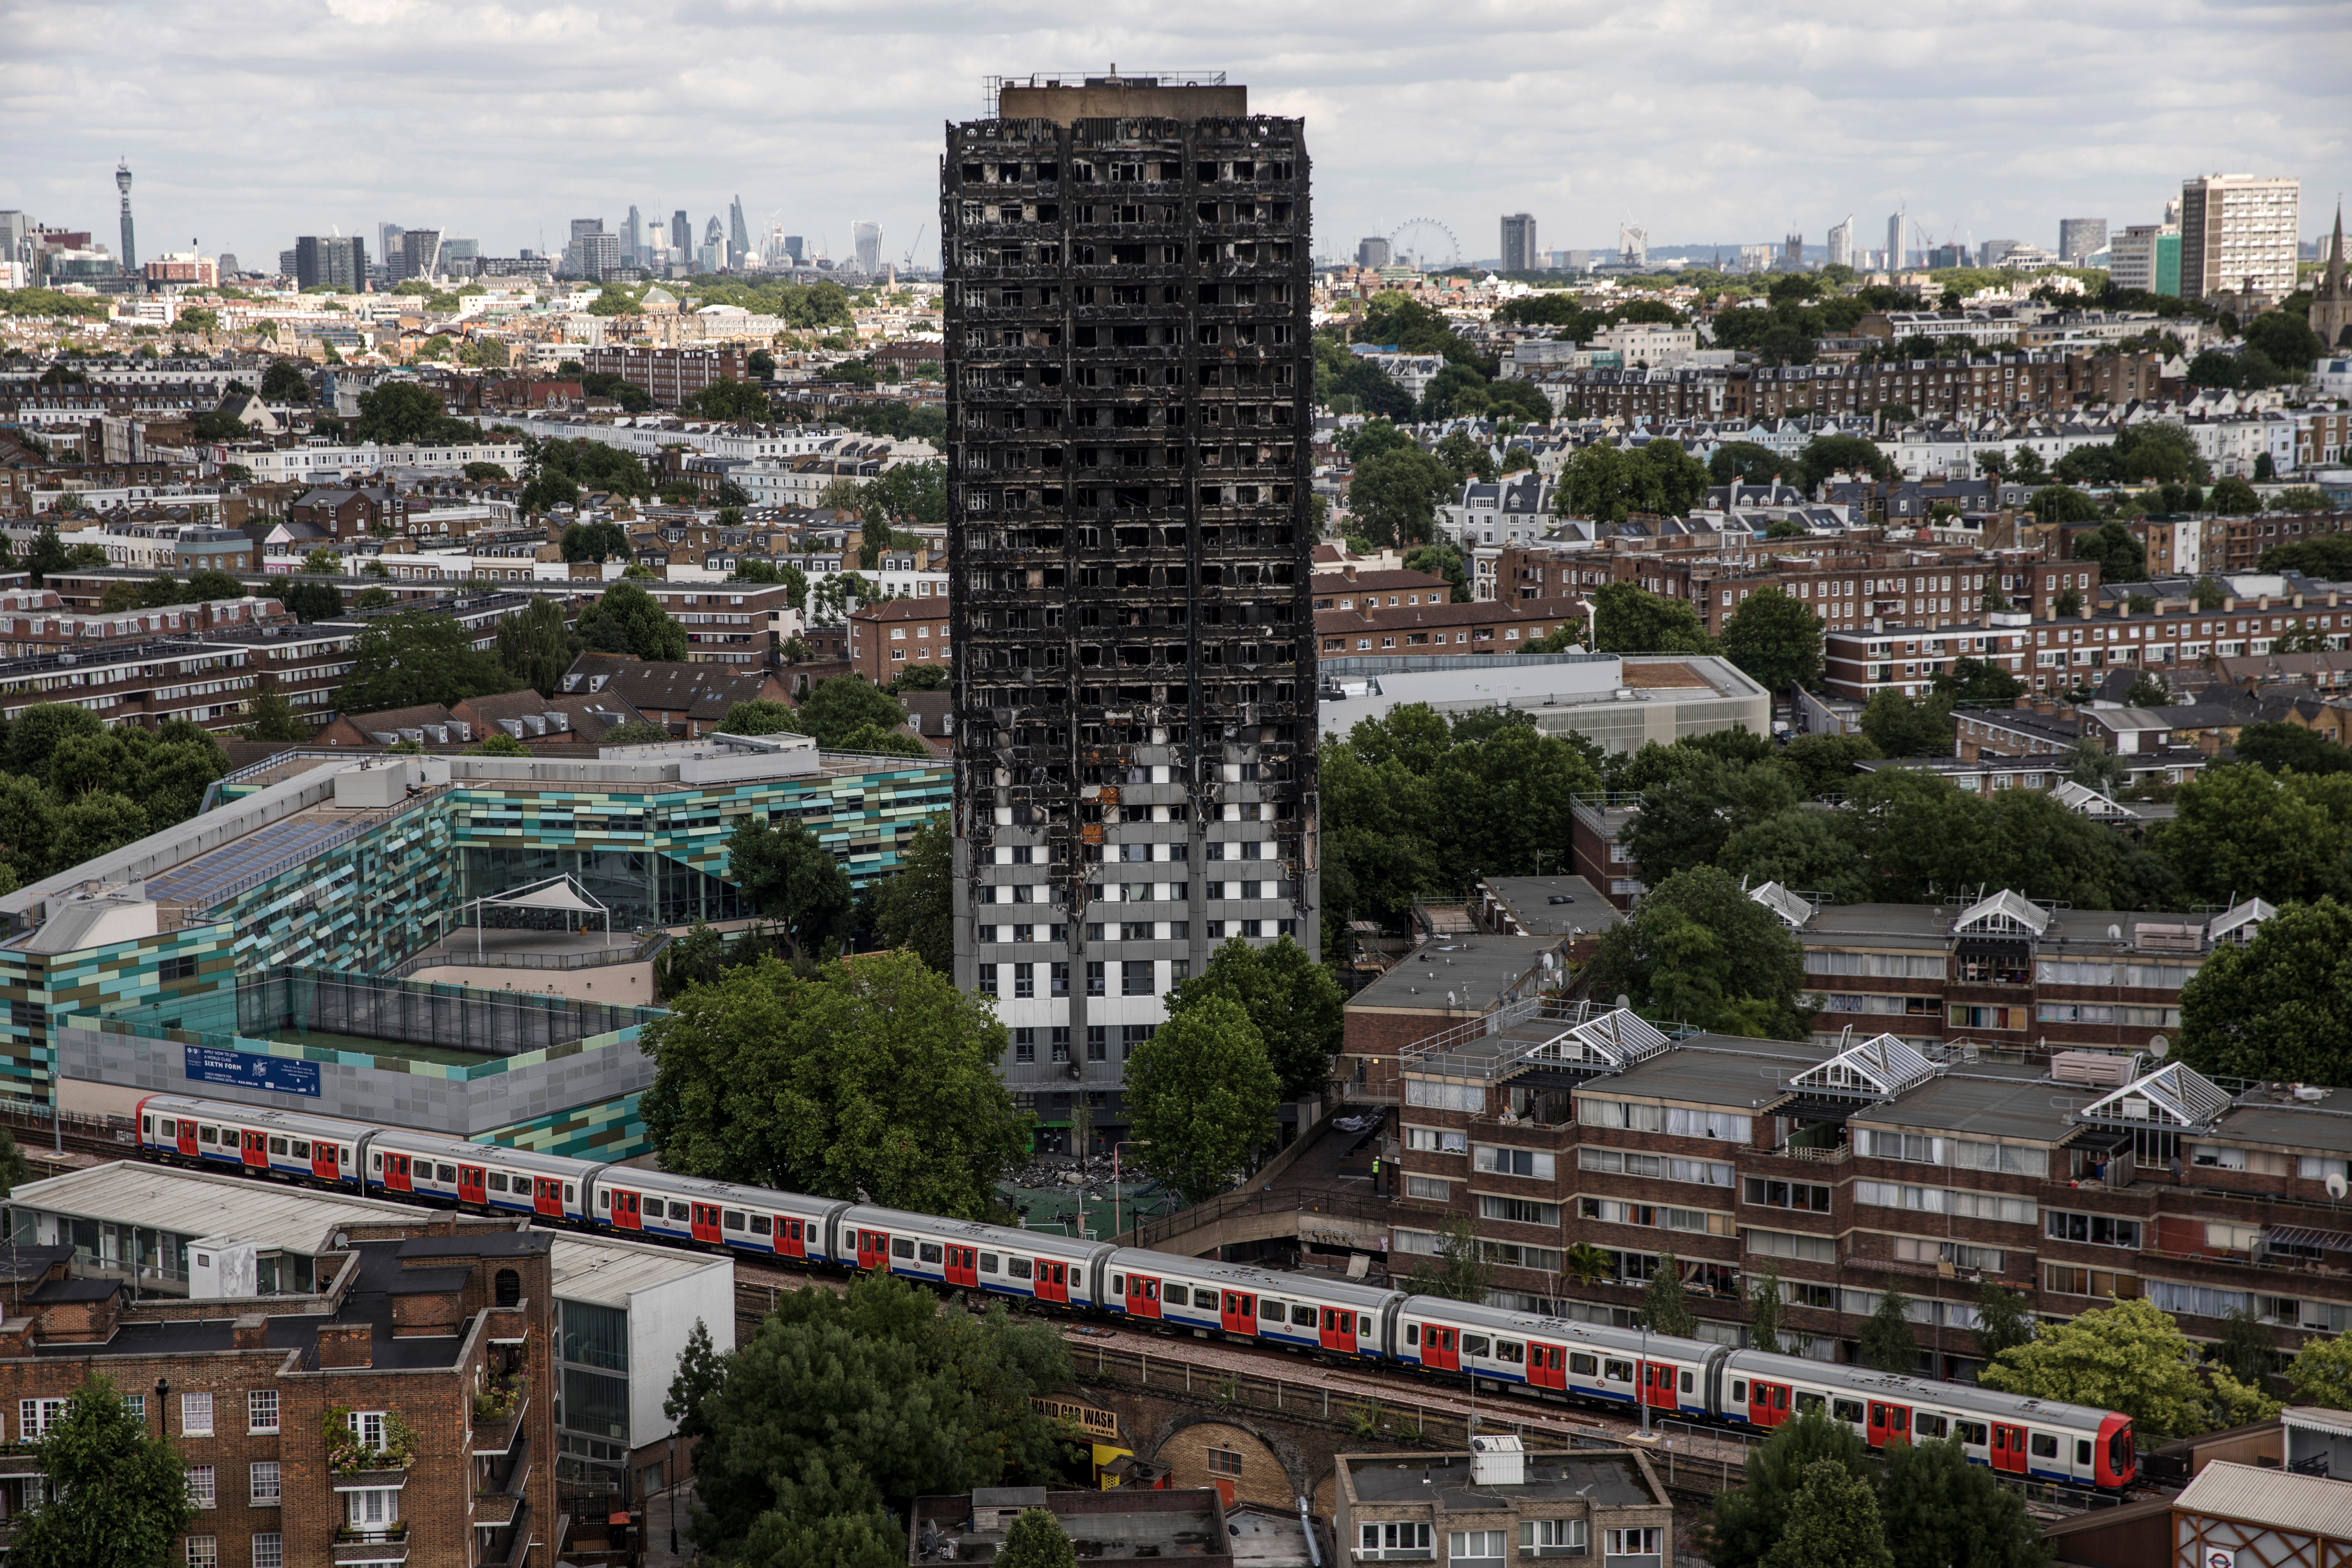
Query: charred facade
x,y
1129,370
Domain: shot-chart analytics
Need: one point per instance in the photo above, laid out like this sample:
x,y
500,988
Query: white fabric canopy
x,y
556,894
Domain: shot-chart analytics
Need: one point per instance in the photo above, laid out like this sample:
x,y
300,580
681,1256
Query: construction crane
x,y
907,262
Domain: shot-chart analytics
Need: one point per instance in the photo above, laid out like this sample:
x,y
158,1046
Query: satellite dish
x,y
1623,1002
2159,1047
2335,1184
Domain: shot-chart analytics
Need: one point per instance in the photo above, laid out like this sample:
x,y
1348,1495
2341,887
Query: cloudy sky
x,y
1703,121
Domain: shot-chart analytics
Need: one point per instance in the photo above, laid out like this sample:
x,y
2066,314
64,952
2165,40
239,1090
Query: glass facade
x,y
642,887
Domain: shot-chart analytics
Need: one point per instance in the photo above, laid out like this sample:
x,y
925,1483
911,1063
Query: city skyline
x,y
1413,121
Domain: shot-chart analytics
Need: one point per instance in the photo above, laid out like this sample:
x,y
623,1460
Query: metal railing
x,y
1336,1202
459,959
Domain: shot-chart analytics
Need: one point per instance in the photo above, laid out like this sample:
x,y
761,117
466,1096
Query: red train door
x,y
185,1139
1889,1424
396,1173
1547,1366
1054,1282
1239,1313
2009,1449
1658,1385
873,1249
1767,1404
1142,1296
963,1266
547,1196
705,1224
471,1189
625,1215
323,1161
788,1238
257,1151
1337,1329
1440,1350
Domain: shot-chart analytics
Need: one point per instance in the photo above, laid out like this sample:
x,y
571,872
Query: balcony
x,y
501,1495
365,1546
509,1542
495,1435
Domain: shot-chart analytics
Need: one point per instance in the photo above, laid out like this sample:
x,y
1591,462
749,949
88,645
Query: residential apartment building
x,y
1521,252
887,636
1492,625
1514,511
2240,235
1128,372
2146,257
2013,384
671,375
1498,1503
395,1408
1928,1158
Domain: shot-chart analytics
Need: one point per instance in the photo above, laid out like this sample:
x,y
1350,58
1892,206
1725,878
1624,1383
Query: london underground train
x,y
1545,1357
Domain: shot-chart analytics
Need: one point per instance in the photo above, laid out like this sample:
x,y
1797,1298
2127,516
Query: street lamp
x,y
1114,1148
162,1391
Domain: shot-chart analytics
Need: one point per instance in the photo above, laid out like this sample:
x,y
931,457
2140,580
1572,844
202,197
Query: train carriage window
x,y
794,1229
1298,1314
1177,1295
1272,1311
2119,1451
278,1145
1806,1400
2082,1451
498,1182
1510,1350
1617,1372
147,1125
1118,1284
1738,1390
1476,1344
1151,1289
733,1219
988,1263
679,1211
1412,1333
1932,1428
444,1172
1022,1268
207,1135
902,1247
375,1160
1971,1432
1846,1410
761,1225
571,1192
2046,1446
301,1148
1583,1365
931,1253
603,1198
1689,1381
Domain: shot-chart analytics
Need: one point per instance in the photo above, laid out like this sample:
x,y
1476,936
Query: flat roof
x,y
1531,899
1564,684
1478,969
199,1203
2310,1505
1983,1103
1717,1070
1603,1480
606,1272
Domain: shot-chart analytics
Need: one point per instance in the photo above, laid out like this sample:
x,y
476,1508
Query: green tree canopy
x,y
1037,1541
115,1498
1826,455
626,619
2278,1007
1628,618
2120,556
1942,1511
1692,802
284,382
792,880
1824,764
1697,948
2321,1372
2128,1356
1665,1309
270,715
842,1409
1902,726
2241,832
1747,463
314,602
1201,1096
841,709
874,1081
1610,483
1776,639
413,657
1396,495
1291,1000
914,906
1886,1340
1750,1520
597,541
402,411
1458,1267
1835,1523
535,647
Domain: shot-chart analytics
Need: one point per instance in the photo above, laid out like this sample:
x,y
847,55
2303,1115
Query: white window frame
x,y
195,1416
266,1484
269,1550
203,1486
256,1403
203,1551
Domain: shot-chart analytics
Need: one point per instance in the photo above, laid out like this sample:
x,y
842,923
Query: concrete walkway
x,y
661,1509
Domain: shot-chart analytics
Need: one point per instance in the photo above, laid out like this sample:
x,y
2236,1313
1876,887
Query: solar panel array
x,y
205,876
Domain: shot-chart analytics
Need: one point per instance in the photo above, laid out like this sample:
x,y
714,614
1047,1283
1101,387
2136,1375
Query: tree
x,y
1942,1511
270,715
2004,1319
400,412
792,880
1458,1270
2321,1372
2064,503
1764,1310
626,619
874,1080
2149,691
284,382
1745,462
501,744
1834,1524
1748,1520
1978,682
1692,802
38,732
1036,1541
483,473
1291,1000
1665,1309
414,657
1902,726
838,707
1700,949
2281,747
2246,1347
2208,595
1396,495
1442,559
1824,762
47,556
2128,1356
701,1375
1202,1094
1805,850
743,402
2233,496
115,1496
2277,1007
1826,455
597,541
1776,639
2120,556
535,647
842,1408
29,829
1885,1340
913,907
2286,339
1627,618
